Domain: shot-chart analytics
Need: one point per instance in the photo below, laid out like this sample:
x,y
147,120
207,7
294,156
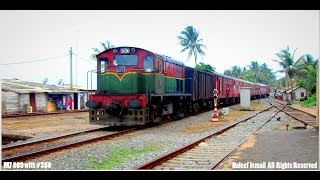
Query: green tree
x,y
235,71
254,69
307,66
261,74
105,46
266,75
205,67
189,40
286,62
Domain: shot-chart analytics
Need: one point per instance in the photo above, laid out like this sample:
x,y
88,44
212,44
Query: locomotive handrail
x,y
91,71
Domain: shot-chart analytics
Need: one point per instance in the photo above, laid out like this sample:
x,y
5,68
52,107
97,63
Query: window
x,y
125,60
148,62
103,64
302,94
160,66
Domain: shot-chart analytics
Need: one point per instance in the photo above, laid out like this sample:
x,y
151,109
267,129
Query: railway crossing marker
x,y
215,114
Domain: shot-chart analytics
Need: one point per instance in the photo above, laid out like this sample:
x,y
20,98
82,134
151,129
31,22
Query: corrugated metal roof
x,y
19,86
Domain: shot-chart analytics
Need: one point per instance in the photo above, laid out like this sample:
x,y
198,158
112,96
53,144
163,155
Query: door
x,y
33,102
76,101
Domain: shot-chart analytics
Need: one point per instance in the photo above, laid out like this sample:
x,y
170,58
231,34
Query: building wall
x,y
24,102
85,99
41,102
297,93
9,102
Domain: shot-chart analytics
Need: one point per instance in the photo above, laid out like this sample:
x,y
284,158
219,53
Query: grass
x,y
310,102
119,155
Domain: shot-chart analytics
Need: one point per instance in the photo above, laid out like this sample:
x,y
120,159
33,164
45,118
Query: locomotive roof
x,y
166,58
122,47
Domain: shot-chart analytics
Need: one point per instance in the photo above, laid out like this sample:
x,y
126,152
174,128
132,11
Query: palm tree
x,y
189,40
266,75
307,67
305,64
105,46
235,71
286,62
254,69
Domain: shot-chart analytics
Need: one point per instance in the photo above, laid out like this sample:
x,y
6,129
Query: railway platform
x,y
276,150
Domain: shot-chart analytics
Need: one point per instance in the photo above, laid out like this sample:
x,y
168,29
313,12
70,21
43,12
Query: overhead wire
x,y
88,61
25,62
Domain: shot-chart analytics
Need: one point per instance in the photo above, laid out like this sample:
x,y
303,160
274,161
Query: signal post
x,y
215,114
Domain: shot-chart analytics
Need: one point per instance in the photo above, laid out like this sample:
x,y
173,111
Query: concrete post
x,y
245,98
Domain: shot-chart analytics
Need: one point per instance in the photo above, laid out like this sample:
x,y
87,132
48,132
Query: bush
x,y
311,101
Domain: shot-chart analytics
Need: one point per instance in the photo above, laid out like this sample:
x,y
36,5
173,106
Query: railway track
x,y
208,152
42,113
26,150
303,117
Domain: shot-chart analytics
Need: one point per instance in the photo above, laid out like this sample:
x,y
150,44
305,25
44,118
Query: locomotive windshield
x,y
148,62
125,60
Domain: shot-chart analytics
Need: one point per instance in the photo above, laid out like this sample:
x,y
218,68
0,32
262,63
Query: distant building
x,y
298,93
21,96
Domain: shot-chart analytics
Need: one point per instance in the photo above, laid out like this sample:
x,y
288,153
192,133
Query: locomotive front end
x,y
117,110
122,87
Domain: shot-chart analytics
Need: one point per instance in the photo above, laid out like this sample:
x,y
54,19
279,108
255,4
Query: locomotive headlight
x,y
134,104
91,104
124,50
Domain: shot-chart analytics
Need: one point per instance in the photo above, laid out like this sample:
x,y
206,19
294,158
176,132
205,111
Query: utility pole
x,y
77,62
71,85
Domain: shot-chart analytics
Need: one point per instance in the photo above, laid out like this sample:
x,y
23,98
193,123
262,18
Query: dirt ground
x,y
32,126
234,113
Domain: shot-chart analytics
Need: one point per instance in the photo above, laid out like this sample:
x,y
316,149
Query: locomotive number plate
x,y
120,69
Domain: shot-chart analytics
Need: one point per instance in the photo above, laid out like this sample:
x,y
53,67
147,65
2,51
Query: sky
x,y
43,38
